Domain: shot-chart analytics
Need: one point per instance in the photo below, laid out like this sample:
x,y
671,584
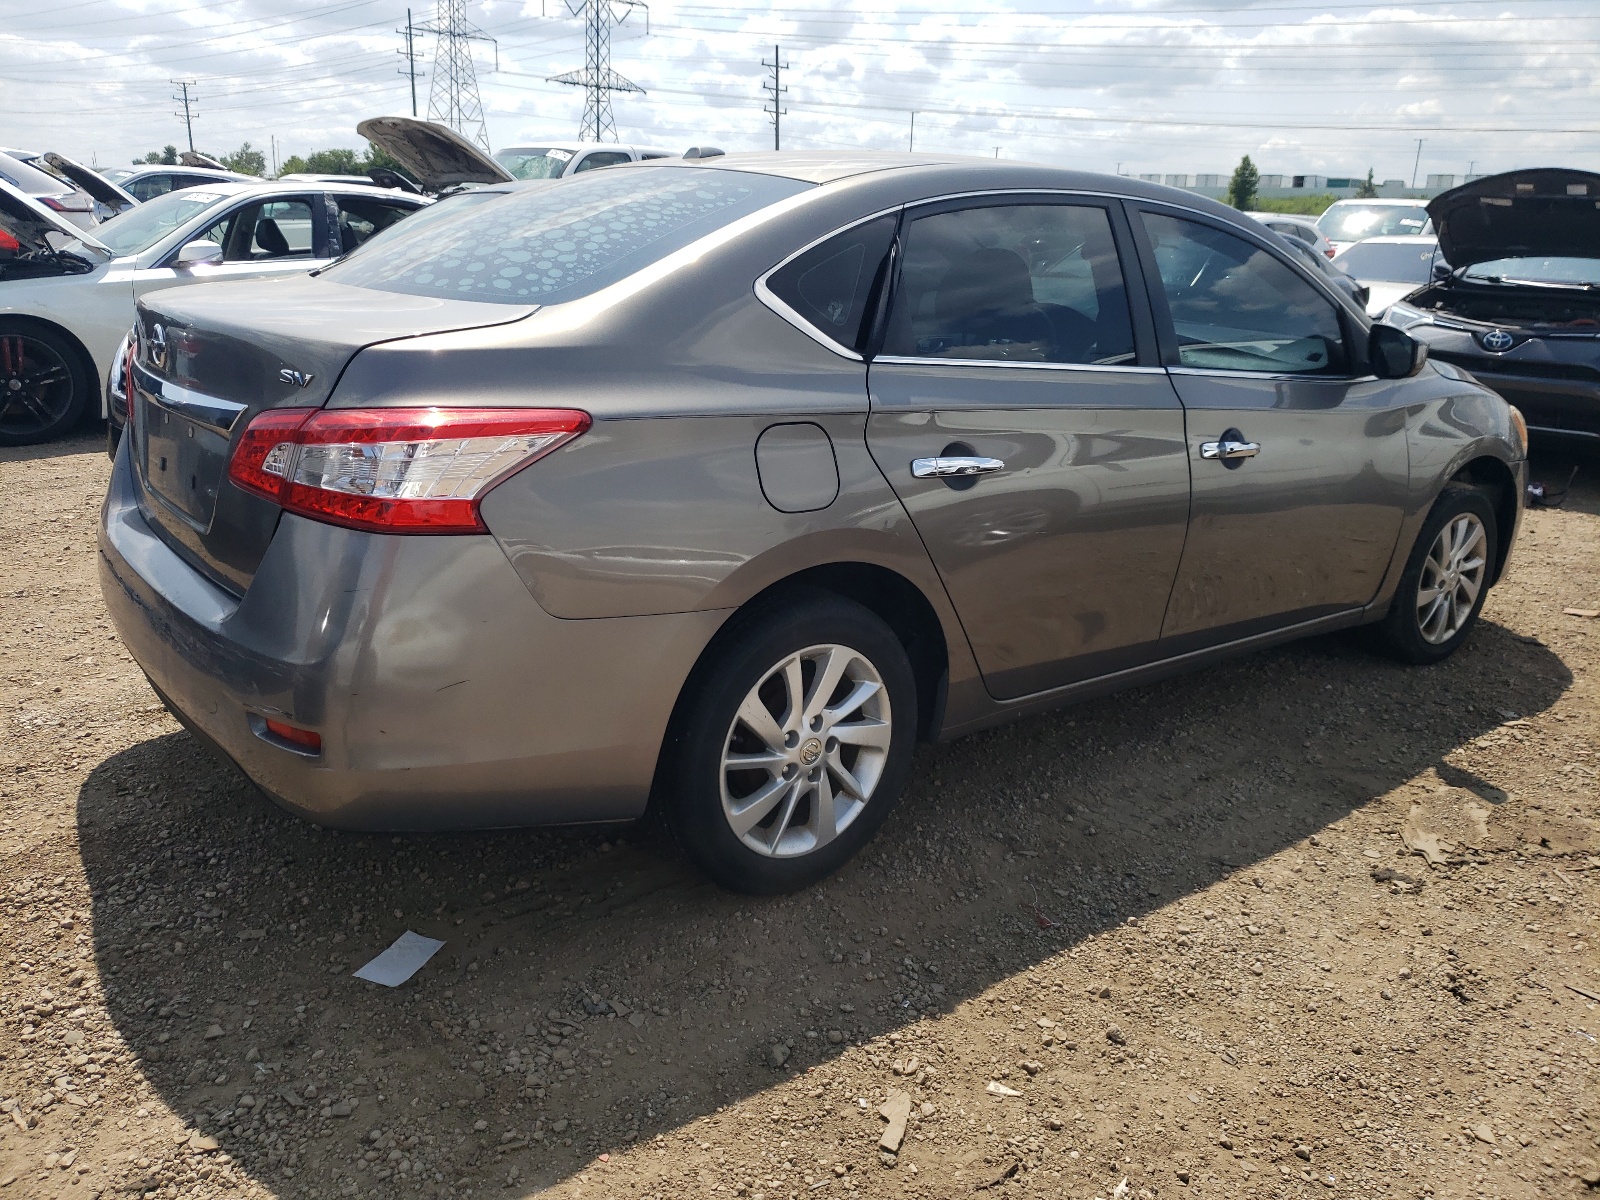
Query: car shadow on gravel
x,y
593,991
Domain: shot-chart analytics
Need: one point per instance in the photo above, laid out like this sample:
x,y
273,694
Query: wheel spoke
x,y
768,760
874,734
1469,586
830,669
859,695
823,817
1434,610
851,785
754,808
753,715
794,689
790,803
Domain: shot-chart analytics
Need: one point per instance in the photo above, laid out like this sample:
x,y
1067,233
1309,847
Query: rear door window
x,y
830,287
362,217
553,244
150,186
602,158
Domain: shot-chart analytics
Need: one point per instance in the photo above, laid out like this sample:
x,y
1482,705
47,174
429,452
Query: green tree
x,y
1368,189
293,165
1242,187
167,156
339,161
246,160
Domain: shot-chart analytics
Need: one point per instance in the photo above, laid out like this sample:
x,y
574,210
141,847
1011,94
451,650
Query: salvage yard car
x,y
1345,222
1521,306
725,481
1390,267
72,311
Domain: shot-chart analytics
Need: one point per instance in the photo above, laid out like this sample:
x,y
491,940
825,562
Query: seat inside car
x,y
270,238
986,299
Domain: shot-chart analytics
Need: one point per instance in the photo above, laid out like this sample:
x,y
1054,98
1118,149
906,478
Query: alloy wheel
x,y
805,751
35,386
1452,576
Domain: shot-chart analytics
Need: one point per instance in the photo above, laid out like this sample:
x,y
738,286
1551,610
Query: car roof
x,y
142,169
1391,200
229,189
1292,218
1400,239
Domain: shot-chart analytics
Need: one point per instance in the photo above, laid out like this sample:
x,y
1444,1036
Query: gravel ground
x,y
1173,943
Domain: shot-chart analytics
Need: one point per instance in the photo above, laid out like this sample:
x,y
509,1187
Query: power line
x,y
777,91
597,79
453,97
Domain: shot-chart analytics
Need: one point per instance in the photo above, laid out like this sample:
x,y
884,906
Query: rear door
x,y
1298,456
1020,412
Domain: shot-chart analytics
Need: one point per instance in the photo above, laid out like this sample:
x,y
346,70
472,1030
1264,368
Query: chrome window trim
x,y
907,360
1284,376
217,415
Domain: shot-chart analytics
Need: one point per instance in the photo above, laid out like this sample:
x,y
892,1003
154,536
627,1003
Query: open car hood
x,y
193,158
29,221
100,188
1545,212
436,156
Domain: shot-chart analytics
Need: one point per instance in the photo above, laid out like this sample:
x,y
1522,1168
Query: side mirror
x,y
203,250
1393,353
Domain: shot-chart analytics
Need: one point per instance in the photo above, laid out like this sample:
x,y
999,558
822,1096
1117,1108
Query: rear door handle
x,y
946,467
1229,450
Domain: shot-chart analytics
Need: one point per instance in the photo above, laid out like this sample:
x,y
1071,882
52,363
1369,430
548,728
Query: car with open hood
x,y
1519,305
725,480
71,305
56,193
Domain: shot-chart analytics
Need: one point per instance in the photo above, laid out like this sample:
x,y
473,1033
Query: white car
x,y
1346,222
1302,229
59,195
1390,267
67,297
146,183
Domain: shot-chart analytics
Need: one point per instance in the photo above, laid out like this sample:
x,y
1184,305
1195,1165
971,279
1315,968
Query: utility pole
x,y
273,138
1416,163
410,55
184,98
1470,167
597,79
776,90
997,151
911,146
453,98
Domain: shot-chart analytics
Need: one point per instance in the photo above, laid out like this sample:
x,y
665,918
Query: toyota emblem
x,y
1498,341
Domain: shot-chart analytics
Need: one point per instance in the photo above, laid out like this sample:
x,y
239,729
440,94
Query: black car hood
x,y
1545,212
434,155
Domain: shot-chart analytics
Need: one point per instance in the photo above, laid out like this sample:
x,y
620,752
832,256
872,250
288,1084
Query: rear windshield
x,y
136,230
552,244
1389,262
1352,222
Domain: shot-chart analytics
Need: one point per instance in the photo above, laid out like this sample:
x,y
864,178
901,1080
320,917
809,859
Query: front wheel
x,y
1446,579
794,745
44,387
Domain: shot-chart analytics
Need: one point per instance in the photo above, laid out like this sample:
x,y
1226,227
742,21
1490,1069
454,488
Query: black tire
x,y
1405,634
45,384
750,653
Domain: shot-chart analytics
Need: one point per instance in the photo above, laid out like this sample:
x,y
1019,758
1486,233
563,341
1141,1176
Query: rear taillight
x,y
394,470
71,204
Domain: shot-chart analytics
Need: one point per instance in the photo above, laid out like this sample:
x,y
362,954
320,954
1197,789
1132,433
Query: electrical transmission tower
x,y
182,97
453,98
597,79
776,90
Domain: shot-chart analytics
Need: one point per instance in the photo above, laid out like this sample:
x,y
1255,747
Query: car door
x,y
1298,456
1019,411
261,238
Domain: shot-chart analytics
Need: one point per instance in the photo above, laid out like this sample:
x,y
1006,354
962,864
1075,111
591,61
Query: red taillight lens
x,y
70,204
9,243
306,739
394,470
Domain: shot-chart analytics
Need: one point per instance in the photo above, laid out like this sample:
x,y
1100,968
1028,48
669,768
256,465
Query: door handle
x,y
1229,449
946,467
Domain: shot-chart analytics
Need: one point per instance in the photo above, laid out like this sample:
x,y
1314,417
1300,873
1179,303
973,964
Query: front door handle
x,y
1229,449
956,466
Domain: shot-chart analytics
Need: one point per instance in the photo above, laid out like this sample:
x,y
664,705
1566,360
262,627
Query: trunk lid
x,y
436,156
211,357
101,189
1546,212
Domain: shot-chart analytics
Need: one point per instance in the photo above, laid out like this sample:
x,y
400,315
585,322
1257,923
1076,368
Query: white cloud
x,y
1155,85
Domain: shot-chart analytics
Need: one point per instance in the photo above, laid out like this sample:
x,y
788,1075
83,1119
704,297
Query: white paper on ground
x,y
400,961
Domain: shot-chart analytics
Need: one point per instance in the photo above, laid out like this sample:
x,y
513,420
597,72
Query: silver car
x,y
718,484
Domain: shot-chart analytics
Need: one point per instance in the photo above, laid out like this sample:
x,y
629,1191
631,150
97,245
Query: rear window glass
x,y
553,244
1389,262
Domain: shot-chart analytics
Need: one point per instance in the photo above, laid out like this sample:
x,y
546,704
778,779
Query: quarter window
x,y
1235,307
1015,283
831,286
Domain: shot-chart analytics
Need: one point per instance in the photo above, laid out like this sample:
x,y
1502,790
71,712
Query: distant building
x,y
1284,187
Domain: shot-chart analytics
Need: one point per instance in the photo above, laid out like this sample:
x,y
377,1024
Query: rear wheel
x,y
794,745
44,385
1446,579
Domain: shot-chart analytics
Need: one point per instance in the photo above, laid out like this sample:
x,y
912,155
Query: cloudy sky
x,y
1304,86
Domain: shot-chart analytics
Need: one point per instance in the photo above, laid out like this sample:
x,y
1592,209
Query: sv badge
x,y
298,378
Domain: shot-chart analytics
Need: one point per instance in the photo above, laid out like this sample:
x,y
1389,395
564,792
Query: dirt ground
x,y
1168,944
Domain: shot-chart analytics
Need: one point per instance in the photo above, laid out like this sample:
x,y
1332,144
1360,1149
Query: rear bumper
x,y
444,695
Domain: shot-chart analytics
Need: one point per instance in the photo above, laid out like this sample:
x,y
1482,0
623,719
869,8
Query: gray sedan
x,y
718,484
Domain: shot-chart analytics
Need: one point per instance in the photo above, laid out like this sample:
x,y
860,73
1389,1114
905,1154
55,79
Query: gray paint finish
x,y
797,467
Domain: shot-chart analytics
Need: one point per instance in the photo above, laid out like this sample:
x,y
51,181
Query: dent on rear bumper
x,y
445,697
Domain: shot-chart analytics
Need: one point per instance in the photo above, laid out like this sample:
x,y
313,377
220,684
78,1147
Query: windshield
x,y
136,230
1352,222
548,245
1389,262
534,162
1578,272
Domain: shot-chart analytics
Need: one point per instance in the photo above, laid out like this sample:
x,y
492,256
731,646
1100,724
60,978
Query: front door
x,y
260,239
1019,413
1298,457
